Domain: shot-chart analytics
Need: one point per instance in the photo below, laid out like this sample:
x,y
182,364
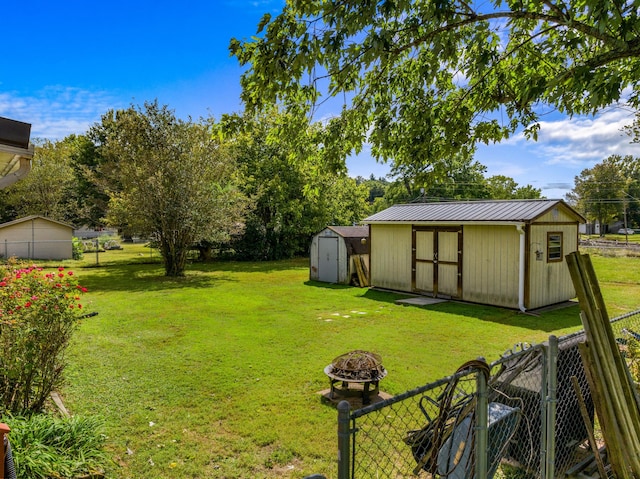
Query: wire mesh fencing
x,y
392,439
626,330
432,430
530,412
519,380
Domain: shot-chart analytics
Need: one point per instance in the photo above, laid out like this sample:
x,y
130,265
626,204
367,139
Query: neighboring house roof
x,y
350,231
503,211
33,217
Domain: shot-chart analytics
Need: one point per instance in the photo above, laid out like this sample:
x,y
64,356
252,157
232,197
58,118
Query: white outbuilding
x,y
340,254
36,237
508,253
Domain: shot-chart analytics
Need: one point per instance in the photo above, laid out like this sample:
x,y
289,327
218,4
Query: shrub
x,y
38,312
77,248
45,446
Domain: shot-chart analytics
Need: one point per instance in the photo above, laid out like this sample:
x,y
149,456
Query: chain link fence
x,y
394,438
528,414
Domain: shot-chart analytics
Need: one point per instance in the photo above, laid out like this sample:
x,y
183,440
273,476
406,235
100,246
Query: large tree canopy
x,y
609,191
178,184
599,191
48,189
292,200
424,80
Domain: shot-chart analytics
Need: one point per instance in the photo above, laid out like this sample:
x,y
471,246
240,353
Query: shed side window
x,y
554,247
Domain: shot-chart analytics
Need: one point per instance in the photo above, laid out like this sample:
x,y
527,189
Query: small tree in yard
x,y
178,184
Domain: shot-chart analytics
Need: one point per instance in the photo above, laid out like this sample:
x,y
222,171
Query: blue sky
x,y
67,62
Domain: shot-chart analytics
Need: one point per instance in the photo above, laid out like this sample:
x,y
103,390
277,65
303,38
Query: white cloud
x,y
260,5
584,141
57,111
565,146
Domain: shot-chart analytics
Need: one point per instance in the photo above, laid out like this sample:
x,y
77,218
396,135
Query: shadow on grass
x,y
373,294
384,296
146,275
252,266
143,277
320,284
136,277
547,321
195,265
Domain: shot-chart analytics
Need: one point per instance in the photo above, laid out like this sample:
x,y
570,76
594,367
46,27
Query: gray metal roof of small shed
x,y
350,231
353,238
502,211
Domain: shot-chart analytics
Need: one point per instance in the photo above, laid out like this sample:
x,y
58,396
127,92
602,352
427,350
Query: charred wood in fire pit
x,y
358,366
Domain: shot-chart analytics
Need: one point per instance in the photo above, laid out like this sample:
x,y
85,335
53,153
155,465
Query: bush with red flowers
x,y
39,311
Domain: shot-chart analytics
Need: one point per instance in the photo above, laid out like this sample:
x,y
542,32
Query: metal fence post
x,y
551,402
482,430
544,387
344,436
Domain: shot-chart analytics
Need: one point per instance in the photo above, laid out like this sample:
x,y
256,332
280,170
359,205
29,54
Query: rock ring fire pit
x,y
354,374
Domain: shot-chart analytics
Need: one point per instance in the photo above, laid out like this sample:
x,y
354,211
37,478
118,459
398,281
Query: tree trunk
x,y
175,259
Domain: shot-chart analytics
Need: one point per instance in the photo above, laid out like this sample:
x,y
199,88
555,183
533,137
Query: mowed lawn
x,y
217,374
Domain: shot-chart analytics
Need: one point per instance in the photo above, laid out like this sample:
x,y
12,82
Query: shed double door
x,y
437,261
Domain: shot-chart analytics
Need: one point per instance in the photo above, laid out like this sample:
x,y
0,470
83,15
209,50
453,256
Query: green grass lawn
x,y
217,374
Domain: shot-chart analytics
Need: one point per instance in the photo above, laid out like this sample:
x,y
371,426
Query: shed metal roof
x,y
350,231
516,211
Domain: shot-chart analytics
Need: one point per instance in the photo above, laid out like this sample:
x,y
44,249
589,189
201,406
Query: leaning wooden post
x,y
589,425
612,388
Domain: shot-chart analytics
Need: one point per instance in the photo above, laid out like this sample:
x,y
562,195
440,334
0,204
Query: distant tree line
x,y
463,180
609,191
239,187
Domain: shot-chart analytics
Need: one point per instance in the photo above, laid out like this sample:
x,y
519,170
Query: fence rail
x,y
606,245
527,416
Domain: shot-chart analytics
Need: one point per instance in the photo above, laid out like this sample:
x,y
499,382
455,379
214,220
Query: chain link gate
x,y
534,413
441,429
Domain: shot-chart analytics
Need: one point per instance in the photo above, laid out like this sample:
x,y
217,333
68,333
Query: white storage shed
x,y
36,237
508,253
334,252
